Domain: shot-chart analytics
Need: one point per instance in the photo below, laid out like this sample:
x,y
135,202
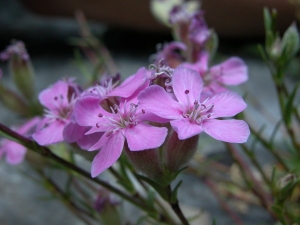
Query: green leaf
x,y
267,19
161,190
174,192
290,42
289,108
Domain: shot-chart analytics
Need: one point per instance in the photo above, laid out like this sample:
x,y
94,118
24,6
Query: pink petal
x,y
201,66
87,109
29,125
131,84
233,131
227,103
15,153
87,141
73,132
47,96
109,153
51,134
183,80
143,136
185,129
233,71
155,99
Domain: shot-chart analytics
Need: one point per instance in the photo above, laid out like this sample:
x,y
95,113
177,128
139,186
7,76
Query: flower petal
x,y
58,90
51,134
131,84
155,99
227,103
73,131
185,129
144,136
15,153
233,71
87,141
233,131
183,80
109,153
87,109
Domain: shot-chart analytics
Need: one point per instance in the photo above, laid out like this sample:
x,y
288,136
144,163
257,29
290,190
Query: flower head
x,y
232,71
58,101
125,122
189,115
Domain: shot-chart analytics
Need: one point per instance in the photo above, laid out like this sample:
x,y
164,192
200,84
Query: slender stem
x,y
257,165
67,201
270,147
175,206
223,203
46,152
256,187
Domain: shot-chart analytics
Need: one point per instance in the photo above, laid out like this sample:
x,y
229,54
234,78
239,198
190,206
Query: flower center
x,y
197,112
121,118
62,108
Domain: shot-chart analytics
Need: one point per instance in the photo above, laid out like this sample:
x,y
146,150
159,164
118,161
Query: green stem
x,y
256,187
175,206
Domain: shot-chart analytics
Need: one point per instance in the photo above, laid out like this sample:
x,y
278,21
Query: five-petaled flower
x,y
126,122
189,115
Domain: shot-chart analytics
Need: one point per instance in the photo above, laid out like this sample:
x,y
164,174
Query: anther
x,y
97,125
100,115
186,91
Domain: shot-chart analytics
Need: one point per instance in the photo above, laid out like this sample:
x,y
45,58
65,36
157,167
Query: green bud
x,y
12,101
290,42
20,68
108,208
286,186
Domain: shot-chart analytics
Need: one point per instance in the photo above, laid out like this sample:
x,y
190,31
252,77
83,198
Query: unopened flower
x,y
20,68
189,115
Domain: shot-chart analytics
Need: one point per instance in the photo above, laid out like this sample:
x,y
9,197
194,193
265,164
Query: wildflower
x,y
170,53
14,151
126,122
189,115
233,71
58,101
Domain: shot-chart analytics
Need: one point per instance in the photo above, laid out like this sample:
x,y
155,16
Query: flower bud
x,y
178,153
286,186
163,164
12,101
20,68
108,208
147,161
290,42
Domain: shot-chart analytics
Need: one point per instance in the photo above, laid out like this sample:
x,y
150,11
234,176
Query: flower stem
x,y
46,152
175,206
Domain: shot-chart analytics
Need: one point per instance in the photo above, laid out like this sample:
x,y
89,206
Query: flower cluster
x,y
174,101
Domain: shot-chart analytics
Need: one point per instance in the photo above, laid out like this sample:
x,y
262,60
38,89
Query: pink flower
x,y
124,123
189,116
233,72
58,101
133,84
15,152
